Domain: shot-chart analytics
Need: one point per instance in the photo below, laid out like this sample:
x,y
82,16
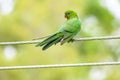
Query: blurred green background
x,y
22,20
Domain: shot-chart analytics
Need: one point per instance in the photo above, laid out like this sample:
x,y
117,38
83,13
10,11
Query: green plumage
x,y
66,32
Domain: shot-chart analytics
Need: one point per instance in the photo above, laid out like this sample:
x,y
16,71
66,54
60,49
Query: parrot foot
x,y
71,40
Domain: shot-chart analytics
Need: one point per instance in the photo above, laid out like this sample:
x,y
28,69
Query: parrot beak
x,y
66,16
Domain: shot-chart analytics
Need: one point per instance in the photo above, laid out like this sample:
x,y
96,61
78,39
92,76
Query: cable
x,y
98,38
77,39
59,65
20,42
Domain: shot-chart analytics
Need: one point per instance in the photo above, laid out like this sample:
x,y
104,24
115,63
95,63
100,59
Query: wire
x,y
59,65
98,38
77,39
20,42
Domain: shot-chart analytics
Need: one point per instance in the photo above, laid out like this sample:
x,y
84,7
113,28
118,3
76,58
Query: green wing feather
x,y
55,41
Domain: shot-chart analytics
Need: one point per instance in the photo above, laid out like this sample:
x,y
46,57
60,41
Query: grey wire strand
x,y
76,39
59,65
20,42
98,38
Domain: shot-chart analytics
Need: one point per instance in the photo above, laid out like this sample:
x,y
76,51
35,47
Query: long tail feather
x,y
52,42
51,38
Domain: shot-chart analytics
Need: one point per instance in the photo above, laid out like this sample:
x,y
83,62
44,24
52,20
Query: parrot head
x,y
70,14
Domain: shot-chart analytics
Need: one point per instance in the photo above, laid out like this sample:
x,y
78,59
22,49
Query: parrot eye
x,y
68,13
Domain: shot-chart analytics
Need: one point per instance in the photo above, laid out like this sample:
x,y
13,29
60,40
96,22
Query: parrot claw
x,y
72,40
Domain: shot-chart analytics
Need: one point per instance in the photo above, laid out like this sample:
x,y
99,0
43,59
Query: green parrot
x,y
66,32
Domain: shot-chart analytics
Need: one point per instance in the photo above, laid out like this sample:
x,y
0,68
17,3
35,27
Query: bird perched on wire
x,y
66,32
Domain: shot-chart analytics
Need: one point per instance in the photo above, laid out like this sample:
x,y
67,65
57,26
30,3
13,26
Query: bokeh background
x,y
22,20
